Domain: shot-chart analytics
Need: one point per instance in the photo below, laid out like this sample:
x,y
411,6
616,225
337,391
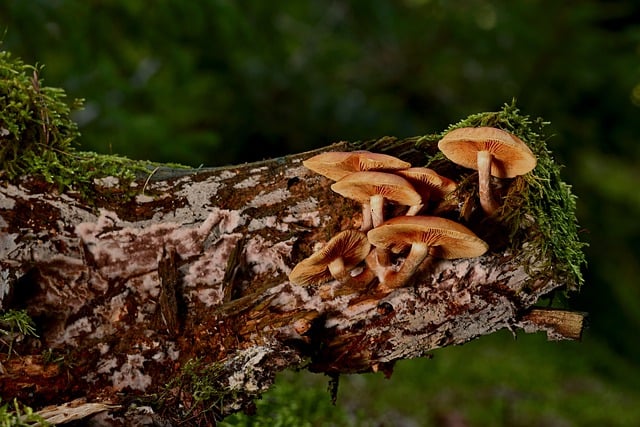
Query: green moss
x,y
36,130
16,414
199,393
296,400
37,136
539,207
15,325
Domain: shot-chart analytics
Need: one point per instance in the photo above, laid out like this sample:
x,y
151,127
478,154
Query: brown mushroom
x,y
336,165
493,152
335,260
373,188
368,161
428,183
425,235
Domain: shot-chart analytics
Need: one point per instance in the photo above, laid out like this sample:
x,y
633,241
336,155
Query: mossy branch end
x,y
134,298
541,197
538,213
38,138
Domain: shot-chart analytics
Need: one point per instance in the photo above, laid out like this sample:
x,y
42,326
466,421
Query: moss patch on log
x,y
37,136
538,209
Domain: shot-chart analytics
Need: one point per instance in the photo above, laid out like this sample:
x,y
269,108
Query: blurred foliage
x,y
493,381
18,415
220,81
37,136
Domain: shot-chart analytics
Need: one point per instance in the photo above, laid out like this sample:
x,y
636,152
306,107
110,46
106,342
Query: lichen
x,y
131,374
217,388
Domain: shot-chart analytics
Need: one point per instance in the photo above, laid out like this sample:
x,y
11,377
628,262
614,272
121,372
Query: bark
x,y
136,299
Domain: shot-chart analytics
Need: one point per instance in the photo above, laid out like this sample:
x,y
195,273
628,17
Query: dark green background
x,y
216,82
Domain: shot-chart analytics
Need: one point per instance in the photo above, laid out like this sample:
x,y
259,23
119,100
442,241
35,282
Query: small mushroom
x,y
336,165
373,188
493,152
425,235
429,184
335,260
368,161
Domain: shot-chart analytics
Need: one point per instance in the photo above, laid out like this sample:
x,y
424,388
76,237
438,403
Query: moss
x,y
539,207
201,390
15,325
17,414
38,136
35,124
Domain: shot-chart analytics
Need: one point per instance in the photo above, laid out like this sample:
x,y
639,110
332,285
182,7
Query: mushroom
x,y
491,151
368,161
372,188
428,183
336,165
335,260
425,235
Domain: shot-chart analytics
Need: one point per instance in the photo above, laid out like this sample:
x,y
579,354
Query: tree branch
x,y
183,287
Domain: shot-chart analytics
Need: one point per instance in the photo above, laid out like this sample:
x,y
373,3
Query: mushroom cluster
x,y
356,257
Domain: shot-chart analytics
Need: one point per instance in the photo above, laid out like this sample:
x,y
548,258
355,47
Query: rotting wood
x,y
208,253
559,324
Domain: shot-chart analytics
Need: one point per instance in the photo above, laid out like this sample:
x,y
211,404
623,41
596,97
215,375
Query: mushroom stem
x,y
377,209
488,203
382,257
374,264
351,278
415,210
337,270
417,254
357,281
367,223
361,279
377,217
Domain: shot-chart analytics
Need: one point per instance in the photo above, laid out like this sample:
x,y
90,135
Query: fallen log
x,y
171,291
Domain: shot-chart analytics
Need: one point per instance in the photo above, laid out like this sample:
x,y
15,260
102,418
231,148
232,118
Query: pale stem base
x,y
487,202
394,280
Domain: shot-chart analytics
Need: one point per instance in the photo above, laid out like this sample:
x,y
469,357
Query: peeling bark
x,y
126,294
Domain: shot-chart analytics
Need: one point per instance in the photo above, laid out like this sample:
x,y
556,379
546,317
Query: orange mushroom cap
x,y
510,155
360,186
369,161
348,248
428,182
336,165
445,238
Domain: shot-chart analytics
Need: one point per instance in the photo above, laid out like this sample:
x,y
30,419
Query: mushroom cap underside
x,y
428,182
336,165
332,164
350,245
446,238
369,161
510,155
360,186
